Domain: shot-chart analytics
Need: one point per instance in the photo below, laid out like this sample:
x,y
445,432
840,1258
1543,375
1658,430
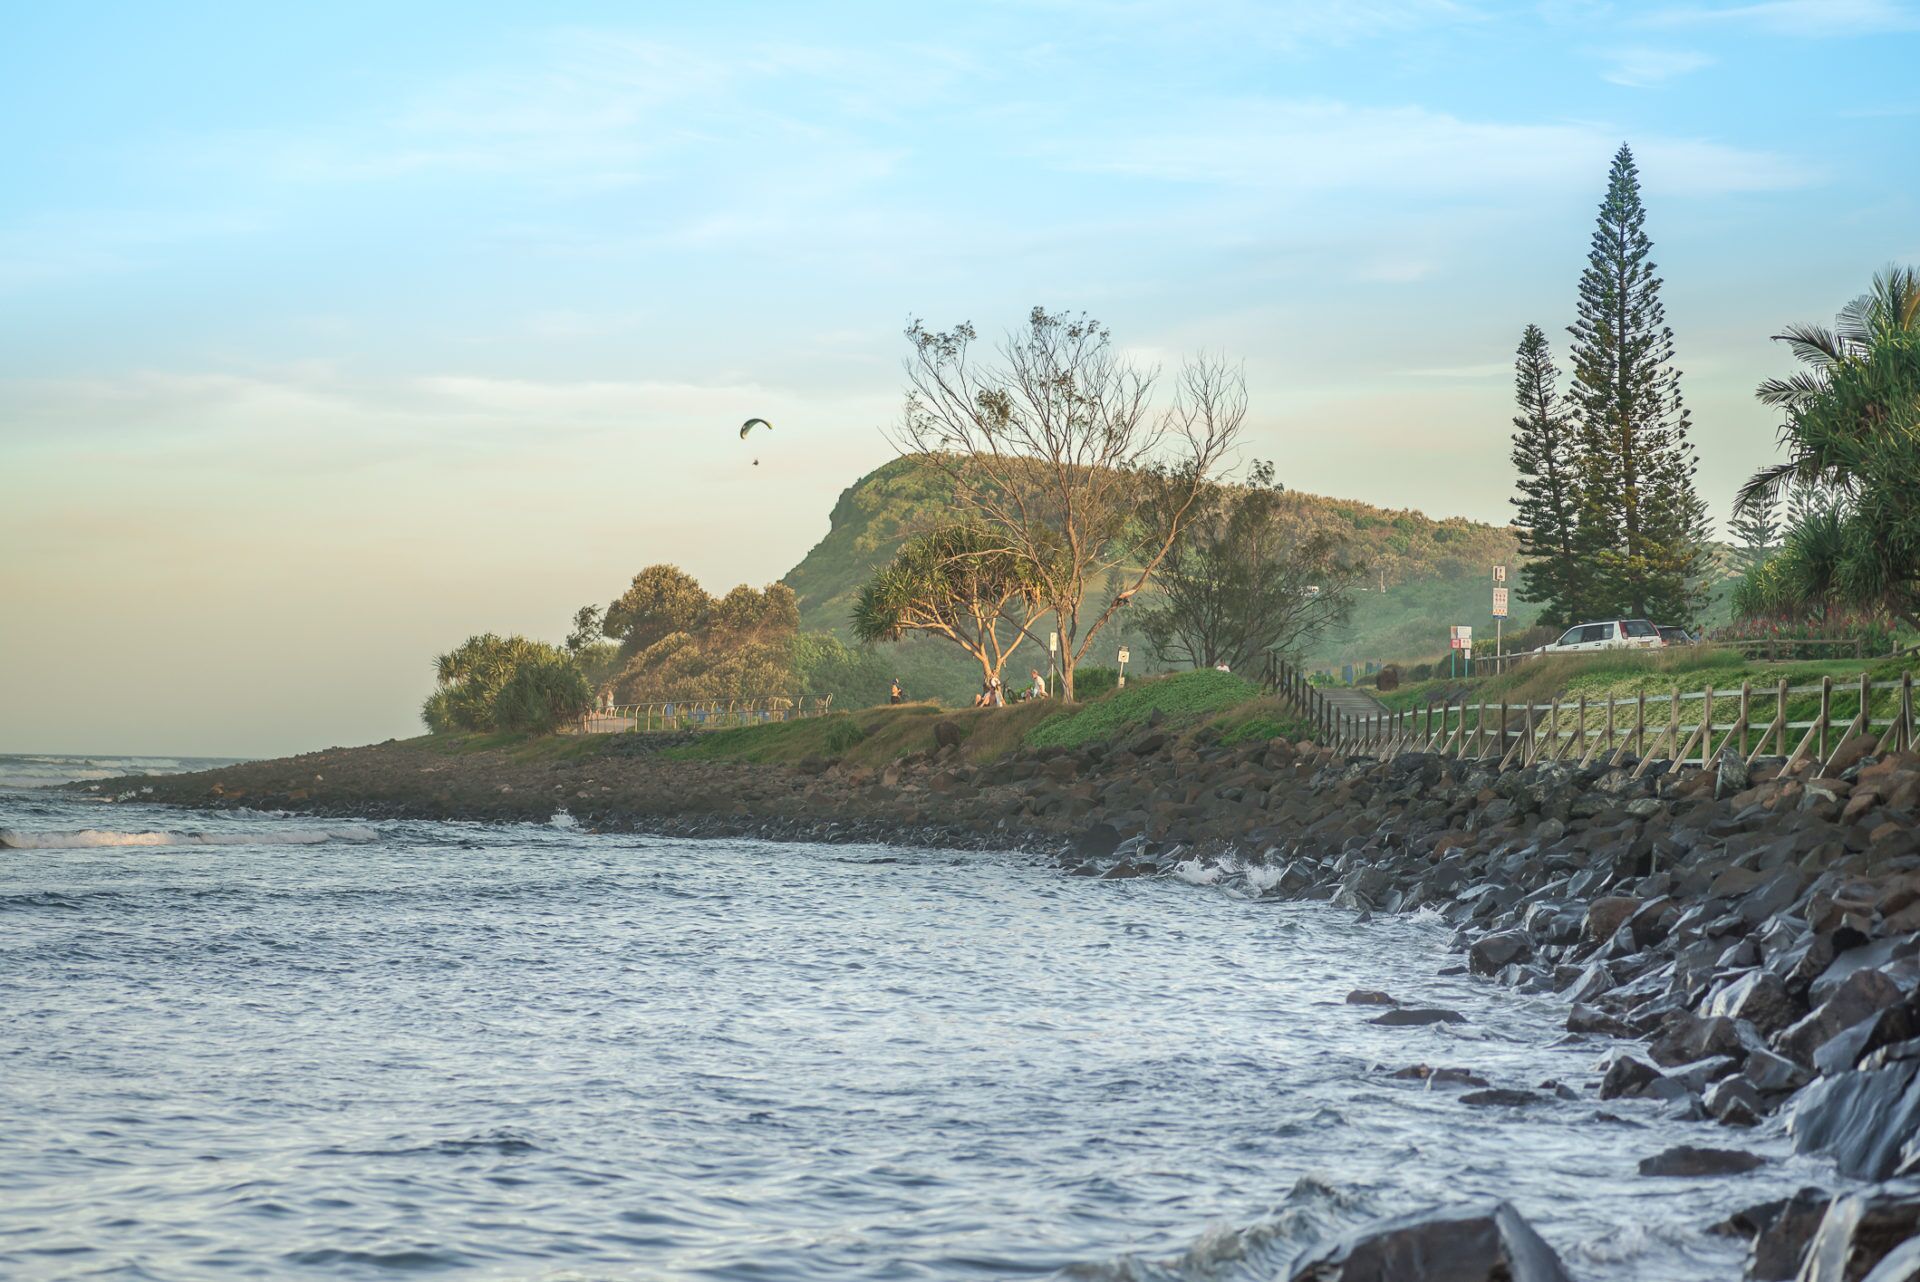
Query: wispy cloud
x,y
1306,147
1798,17
1644,68
1490,370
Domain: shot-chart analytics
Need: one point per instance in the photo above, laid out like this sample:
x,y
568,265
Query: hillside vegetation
x,y
1435,573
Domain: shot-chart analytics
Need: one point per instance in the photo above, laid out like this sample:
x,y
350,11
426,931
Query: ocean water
x,y
48,769
266,1046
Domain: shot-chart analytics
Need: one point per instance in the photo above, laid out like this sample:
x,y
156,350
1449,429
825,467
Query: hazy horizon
x,y
333,338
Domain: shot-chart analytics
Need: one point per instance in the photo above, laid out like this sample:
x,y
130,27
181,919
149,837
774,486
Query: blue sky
x,y
331,337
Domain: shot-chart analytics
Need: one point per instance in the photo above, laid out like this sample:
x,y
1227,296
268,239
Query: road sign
x,y
1125,654
1053,642
1499,603
1461,638
1499,574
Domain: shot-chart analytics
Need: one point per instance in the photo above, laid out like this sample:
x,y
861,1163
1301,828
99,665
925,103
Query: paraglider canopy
x,y
749,425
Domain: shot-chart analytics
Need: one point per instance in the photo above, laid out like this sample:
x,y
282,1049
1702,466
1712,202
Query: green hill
x,y
1435,573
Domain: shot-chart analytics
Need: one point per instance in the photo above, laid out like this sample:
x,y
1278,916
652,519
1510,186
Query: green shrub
x,y
545,692
842,734
1093,682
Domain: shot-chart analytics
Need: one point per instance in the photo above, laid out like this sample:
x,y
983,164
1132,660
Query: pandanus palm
x,y
1852,430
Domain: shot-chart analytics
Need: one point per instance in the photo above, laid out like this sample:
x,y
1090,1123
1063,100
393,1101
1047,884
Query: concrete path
x,y
1352,701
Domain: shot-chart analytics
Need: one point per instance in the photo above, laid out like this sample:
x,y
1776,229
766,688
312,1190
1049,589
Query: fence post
x,y
1826,716
1906,712
1780,736
1607,750
1706,728
1746,692
1503,730
1866,705
1579,752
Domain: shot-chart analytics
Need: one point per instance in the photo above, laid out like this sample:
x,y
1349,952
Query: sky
x,y
330,335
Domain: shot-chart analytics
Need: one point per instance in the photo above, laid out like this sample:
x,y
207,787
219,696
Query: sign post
x,y
1053,651
1499,613
1460,639
1125,654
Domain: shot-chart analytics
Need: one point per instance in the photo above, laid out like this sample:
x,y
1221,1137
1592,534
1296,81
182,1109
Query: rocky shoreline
x,y
1752,932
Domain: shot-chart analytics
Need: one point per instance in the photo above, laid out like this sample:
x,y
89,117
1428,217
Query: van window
x,y
1640,628
1572,637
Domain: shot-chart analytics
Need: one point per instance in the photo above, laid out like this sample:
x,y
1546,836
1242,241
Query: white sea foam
x,y
1196,873
1264,877
89,838
563,821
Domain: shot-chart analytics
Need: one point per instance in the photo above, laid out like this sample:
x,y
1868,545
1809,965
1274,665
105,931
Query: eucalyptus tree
x,y
1048,445
961,582
1242,582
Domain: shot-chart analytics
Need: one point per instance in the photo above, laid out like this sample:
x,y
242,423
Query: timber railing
x,y
1807,722
700,714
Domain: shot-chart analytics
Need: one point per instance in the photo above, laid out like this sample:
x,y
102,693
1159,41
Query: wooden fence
x,y
700,714
1807,722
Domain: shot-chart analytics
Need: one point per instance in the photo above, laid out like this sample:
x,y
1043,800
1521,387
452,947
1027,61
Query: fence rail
x,y
700,714
1808,722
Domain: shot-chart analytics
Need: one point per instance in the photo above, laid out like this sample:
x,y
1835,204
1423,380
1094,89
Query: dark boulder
x,y
1418,1016
1485,1243
1096,841
948,734
1778,1232
1490,952
1685,1159
1864,1120
1759,997
1859,1232
1502,1096
1369,997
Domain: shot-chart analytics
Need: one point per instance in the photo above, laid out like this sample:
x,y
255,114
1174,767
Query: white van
x,y
1620,634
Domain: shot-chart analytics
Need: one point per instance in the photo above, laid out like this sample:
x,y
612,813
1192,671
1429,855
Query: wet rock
x,y
1735,1102
1685,1159
1860,995
1369,997
1686,1038
1418,1016
1489,953
1628,1077
1865,1120
1502,1096
1440,1076
1590,1019
1486,1243
1779,1232
1759,997
1730,774
1607,914
1859,1232
1096,841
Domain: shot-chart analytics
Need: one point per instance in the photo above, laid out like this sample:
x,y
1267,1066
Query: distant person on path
x,y
1039,690
895,694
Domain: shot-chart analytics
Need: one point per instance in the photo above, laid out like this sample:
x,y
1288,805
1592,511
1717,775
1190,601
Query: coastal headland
x,y
1742,942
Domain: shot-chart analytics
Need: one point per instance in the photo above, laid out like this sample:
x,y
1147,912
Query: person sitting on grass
x,y
895,694
1039,690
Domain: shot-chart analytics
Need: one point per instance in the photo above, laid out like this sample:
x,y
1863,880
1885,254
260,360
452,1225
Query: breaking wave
x,y
91,838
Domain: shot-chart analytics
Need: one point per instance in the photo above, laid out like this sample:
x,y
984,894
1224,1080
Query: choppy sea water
x,y
49,769
276,1047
